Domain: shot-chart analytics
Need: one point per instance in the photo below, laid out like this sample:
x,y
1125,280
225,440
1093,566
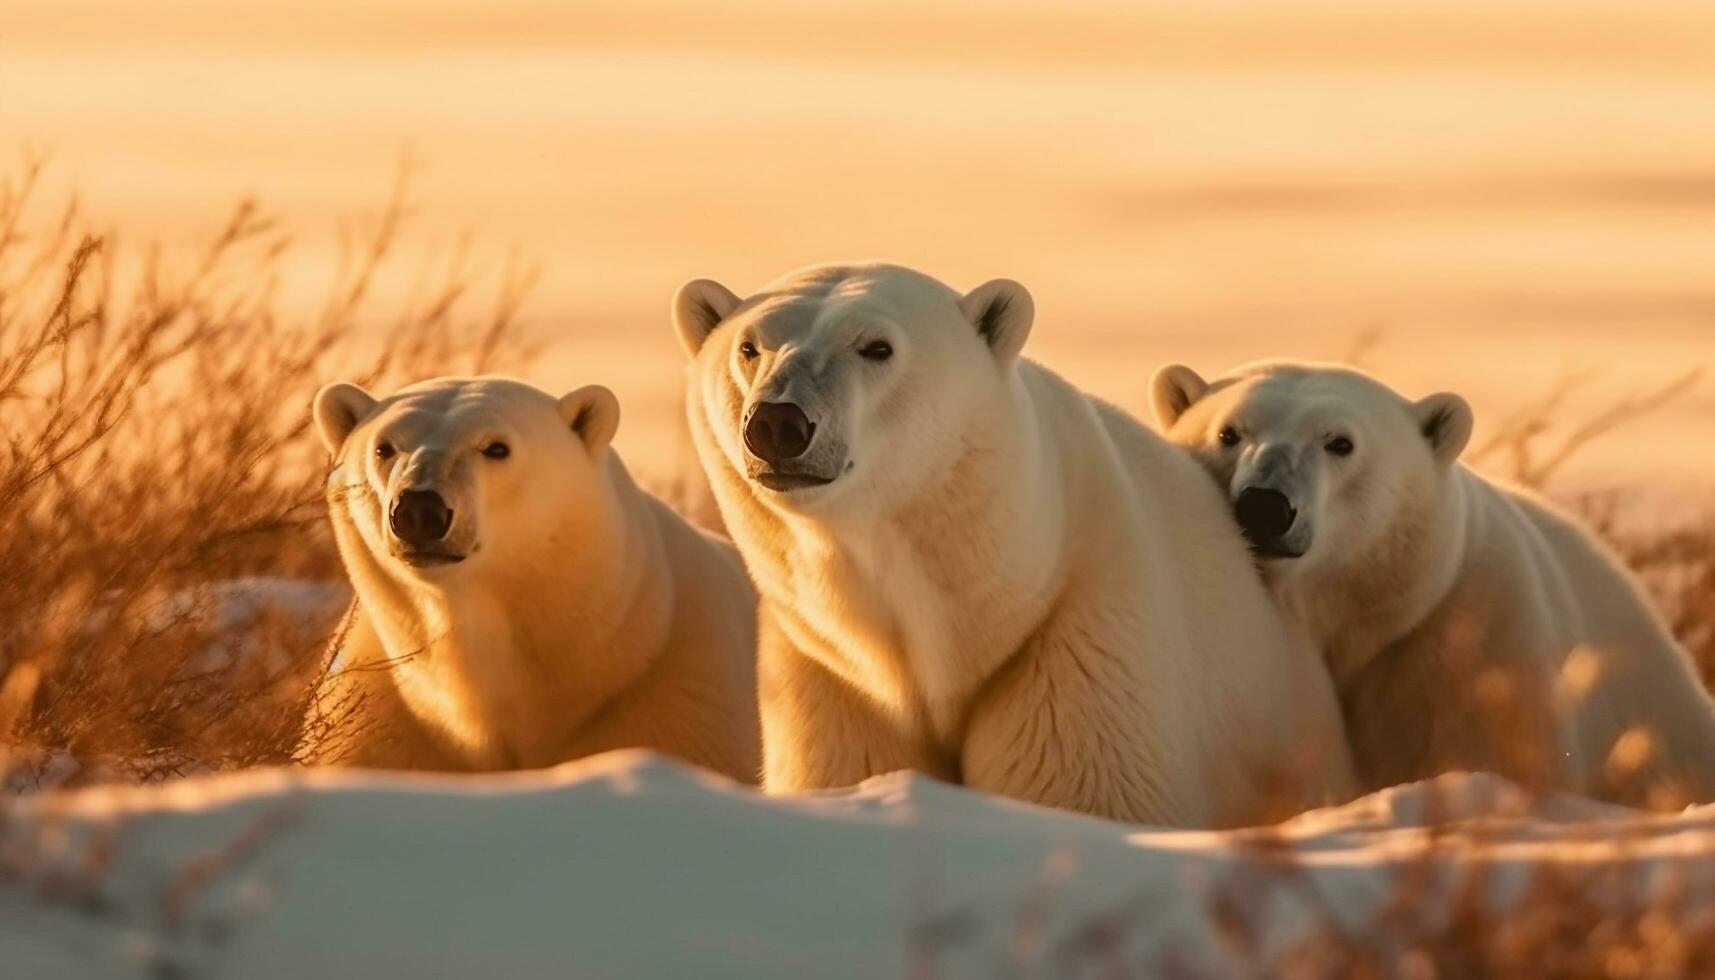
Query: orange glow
x,y
1503,190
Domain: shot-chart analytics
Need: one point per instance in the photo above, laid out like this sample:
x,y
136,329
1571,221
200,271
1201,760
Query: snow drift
x,y
632,865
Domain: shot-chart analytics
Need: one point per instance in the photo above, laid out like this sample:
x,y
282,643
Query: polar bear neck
x,y
1355,610
918,602
511,667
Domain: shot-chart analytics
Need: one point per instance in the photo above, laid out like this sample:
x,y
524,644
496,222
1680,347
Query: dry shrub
x,y
1677,565
1529,446
1466,908
1673,558
167,581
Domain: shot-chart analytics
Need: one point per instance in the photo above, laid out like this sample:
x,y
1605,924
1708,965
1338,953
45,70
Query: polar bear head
x,y
448,474
1321,463
844,384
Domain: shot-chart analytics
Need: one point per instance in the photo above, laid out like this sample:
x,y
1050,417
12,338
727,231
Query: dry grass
x,y
1463,909
1678,567
154,417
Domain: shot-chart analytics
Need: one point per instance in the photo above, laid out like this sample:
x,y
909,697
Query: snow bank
x,y
631,865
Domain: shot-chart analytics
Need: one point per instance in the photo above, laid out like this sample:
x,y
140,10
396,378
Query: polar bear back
x,y
1614,664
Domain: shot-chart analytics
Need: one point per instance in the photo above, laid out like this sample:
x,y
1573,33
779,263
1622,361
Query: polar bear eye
x,y
748,349
384,451
1339,446
1228,436
497,450
879,350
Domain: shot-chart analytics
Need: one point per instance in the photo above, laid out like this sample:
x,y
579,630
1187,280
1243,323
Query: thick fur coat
x,y
1468,625
562,612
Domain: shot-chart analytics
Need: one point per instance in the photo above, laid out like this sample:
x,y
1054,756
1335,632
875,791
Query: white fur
x,y
1006,583
1468,625
585,616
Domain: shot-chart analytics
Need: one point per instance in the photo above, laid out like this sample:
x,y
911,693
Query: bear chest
x,y
915,639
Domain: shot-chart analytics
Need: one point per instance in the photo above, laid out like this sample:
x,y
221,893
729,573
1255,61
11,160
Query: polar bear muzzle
x,y
421,519
1270,486
1267,516
778,431
778,434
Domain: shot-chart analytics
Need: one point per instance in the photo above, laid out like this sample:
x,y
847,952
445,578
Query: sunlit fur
x,y
1468,625
1008,583
586,616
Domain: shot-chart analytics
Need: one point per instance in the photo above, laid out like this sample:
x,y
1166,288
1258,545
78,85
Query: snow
x,y
234,611
632,865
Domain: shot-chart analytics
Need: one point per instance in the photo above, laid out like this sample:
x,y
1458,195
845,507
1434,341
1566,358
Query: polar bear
x,y
520,601
971,569
1467,625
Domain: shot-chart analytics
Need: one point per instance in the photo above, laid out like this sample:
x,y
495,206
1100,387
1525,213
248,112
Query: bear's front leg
x,y
819,732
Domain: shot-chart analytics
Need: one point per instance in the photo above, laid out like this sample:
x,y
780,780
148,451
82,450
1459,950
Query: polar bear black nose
x,y
1266,515
421,517
778,431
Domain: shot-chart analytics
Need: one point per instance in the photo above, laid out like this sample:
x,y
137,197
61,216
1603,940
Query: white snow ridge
x,y
629,865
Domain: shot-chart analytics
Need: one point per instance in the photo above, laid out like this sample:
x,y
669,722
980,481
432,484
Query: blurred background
x,y
1479,195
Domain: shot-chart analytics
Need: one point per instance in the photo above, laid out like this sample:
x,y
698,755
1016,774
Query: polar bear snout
x,y
421,519
778,436
1267,516
778,431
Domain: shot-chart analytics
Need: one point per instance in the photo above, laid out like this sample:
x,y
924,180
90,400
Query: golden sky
x,y
1505,190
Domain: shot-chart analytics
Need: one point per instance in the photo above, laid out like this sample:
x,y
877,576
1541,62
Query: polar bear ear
x,y
337,410
593,413
698,308
1002,312
1173,390
1446,421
